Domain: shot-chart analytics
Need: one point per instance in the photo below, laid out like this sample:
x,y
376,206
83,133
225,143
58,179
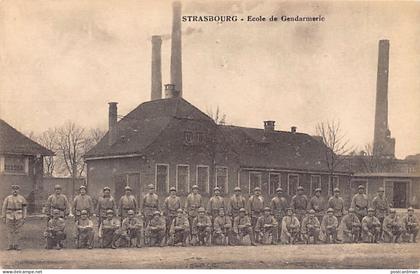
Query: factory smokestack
x,y
176,45
383,144
156,92
112,123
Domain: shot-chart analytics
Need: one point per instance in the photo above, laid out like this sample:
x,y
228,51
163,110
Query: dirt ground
x,y
244,257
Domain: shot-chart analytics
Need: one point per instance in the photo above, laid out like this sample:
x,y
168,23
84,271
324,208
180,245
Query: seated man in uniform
x,y
222,229
290,228
242,227
84,234
267,227
132,230
410,225
180,228
155,231
109,232
391,227
350,227
201,228
371,227
329,226
310,227
55,234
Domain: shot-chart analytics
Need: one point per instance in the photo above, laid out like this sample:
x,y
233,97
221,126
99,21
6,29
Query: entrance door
x,y
400,195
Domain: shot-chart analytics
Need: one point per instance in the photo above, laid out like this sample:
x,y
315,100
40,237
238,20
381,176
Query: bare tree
x,y
336,145
218,117
49,139
95,135
371,162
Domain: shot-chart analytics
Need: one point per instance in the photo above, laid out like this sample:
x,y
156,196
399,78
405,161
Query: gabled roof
x,y
140,128
14,142
277,149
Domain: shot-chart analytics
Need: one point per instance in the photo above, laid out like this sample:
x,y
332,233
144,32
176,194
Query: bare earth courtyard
x,y
298,256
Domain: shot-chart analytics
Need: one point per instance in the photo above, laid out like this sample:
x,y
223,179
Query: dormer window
x,y
188,137
200,137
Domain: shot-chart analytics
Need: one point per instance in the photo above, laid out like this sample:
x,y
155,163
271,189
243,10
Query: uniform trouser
x,y
330,232
242,232
178,236
374,230
191,220
279,219
13,230
411,230
351,235
55,238
135,234
311,232
265,234
391,235
169,220
381,221
155,237
202,236
338,219
110,236
220,237
85,238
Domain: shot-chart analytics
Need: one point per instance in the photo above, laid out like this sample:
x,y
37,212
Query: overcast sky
x,y
64,60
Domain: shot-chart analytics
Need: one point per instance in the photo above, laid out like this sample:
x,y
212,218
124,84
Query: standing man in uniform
x,y
360,203
58,201
236,202
317,204
381,206
299,204
150,204
255,209
337,204
170,207
278,208
82,202
105,203
127,202
14,215
193,202
215,203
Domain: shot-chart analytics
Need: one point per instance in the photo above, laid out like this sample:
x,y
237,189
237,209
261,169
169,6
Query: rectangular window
x,y
182,178
274,183
203,178
162,178
15,165
254,181
292,184
222,178
315,183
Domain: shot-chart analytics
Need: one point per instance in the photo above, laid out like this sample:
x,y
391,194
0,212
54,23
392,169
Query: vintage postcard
x,y
257,134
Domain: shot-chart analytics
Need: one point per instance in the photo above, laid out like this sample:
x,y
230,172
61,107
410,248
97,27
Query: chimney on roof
x,y
170,91
156,68
112,130
293,129
176,45
269,126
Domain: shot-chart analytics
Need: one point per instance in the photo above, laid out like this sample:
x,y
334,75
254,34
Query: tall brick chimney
x,y
112,119
176,45
170,91
383,144
156,92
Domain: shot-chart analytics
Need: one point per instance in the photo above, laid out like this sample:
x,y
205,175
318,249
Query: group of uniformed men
x,y
226,221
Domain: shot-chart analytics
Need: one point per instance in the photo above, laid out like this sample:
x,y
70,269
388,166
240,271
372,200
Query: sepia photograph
x,y
199,134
